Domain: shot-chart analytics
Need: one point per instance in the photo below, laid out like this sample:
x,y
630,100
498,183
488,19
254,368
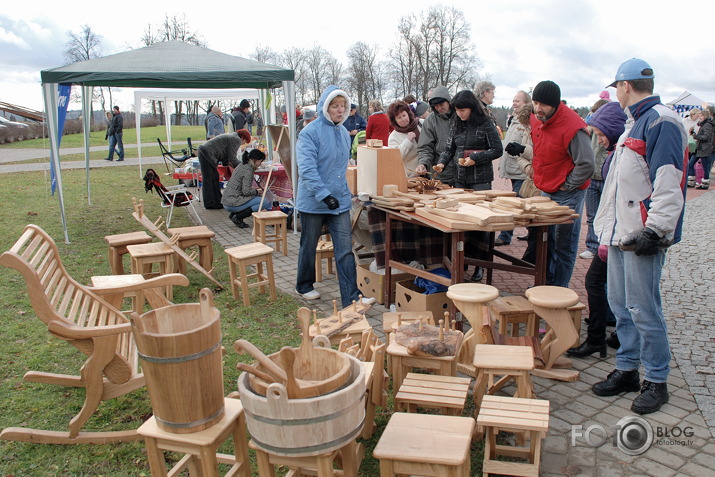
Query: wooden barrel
x,y
180,349
305,427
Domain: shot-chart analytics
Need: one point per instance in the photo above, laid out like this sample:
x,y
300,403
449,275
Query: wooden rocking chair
x,y
76,313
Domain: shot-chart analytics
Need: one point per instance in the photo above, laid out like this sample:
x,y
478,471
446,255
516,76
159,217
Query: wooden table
x,y
453,248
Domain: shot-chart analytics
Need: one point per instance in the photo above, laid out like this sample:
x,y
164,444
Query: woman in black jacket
x,y
474,143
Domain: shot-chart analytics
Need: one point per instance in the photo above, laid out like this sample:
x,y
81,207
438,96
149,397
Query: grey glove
x,y
331,202
645,242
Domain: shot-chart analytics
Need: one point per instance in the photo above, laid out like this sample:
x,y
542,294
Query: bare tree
x,y
322,69
363,72
264,54
295,59
82,46
434,48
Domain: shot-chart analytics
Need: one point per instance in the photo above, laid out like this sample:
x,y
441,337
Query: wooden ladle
x,y
243,346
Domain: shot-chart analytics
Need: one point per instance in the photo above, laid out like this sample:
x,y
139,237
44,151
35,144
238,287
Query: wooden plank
x,y
444,221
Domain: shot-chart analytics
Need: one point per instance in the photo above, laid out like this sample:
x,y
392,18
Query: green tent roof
x,y
172,64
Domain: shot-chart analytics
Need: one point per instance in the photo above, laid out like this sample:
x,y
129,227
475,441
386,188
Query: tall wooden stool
x,y
276,218
510,362
515,310
404,362
200,447
320,465
446,393
144,256
118,248
551,303
198,236
530,416
324,251
425,444
239,258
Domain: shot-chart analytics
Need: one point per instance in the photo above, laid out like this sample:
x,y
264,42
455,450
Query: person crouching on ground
x,y
239,196
323,151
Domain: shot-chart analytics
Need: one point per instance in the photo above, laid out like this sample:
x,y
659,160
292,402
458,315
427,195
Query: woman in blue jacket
x,y
323,151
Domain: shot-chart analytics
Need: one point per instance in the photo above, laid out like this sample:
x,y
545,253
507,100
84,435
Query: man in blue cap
x,y
354,123
640,215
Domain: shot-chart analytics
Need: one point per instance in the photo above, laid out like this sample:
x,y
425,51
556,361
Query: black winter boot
x,y
237,218
651,398
618,382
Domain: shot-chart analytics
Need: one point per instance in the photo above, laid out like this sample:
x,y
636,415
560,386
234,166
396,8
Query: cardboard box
x,y
352,179
410,297
371,284
377,167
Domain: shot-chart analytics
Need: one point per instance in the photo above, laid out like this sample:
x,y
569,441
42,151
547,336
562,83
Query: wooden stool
x,y
251,254
118,248
447,393
530,416
510,362
324,251
147,254
551,304
425,444
404,362
279,220
200,447
199,236
320,465
470,298
514,310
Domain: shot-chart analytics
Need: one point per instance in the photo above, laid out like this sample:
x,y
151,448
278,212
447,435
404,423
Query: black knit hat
x,y
244,104
547,92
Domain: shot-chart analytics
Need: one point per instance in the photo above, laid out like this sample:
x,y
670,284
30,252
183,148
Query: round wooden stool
x,y
145,255
198,236
425,444
470,299
276,218
239,258
200,447
551,304
118,248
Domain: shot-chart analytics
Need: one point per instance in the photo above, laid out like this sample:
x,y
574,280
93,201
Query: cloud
x,y
30,44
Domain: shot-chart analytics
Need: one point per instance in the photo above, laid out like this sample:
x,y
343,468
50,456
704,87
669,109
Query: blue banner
x,y
63,100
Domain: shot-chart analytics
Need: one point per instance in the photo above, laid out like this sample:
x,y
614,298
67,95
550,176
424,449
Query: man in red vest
x,y
563,164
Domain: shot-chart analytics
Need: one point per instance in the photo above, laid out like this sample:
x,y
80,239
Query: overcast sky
x,y
576,43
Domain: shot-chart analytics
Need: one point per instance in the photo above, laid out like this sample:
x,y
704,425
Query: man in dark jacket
x,y
434,135
354,123
115,135
220,149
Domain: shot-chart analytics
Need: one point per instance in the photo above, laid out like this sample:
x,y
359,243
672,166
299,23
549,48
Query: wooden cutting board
x,y
445,221
488,215
454,190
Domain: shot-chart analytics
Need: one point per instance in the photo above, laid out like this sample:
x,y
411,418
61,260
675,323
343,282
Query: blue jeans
x,y
506,235
253,204
593,198
706,162
115,141
339,227
634,297
563,239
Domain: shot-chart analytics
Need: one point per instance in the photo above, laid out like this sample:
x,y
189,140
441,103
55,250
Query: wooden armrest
x,y
74,332
176,188
169,279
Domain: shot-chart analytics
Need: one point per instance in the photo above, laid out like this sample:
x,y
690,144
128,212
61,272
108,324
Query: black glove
x,y
331,202
514,148
647,242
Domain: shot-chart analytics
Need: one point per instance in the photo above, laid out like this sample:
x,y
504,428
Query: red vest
x,y
552,163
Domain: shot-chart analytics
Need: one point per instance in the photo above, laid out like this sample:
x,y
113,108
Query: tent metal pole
x,y
289,90
49,94
87,92
138,115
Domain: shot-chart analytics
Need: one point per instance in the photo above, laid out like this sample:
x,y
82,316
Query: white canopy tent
x,y
689,100
170,95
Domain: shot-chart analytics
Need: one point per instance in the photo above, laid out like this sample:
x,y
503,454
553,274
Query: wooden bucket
x,y
180,349
305,427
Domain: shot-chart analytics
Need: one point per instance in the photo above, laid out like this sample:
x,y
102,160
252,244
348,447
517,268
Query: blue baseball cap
x,y
633,69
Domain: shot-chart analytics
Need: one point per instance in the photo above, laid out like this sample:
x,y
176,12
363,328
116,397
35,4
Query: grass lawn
x,y
26,344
